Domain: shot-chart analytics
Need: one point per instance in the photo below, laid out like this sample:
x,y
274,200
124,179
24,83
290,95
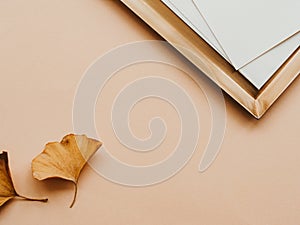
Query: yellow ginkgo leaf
x,y
65,159
7,190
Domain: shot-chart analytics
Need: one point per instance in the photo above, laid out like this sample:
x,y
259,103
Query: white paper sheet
x,y
187,11
259,70
248,28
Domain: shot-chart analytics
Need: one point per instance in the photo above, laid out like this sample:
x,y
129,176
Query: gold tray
x,y
177,33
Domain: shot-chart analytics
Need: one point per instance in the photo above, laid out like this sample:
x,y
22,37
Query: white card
x,y
259,70
247,29
187,11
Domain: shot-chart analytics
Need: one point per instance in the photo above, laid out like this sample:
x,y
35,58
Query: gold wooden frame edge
x,y
160,18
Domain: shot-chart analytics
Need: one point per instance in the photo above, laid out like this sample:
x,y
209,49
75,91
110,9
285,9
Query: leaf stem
x,y
75,195
33,199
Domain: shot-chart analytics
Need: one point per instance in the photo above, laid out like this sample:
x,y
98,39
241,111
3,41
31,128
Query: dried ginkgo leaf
x,y
65,159
7,190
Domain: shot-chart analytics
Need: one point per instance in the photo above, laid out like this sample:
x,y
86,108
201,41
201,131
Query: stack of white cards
x,y
256,37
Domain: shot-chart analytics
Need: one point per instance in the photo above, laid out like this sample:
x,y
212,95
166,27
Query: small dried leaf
x,y
7,190
65,159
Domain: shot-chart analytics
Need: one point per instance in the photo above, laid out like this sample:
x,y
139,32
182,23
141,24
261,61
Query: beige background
x,y
45,47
